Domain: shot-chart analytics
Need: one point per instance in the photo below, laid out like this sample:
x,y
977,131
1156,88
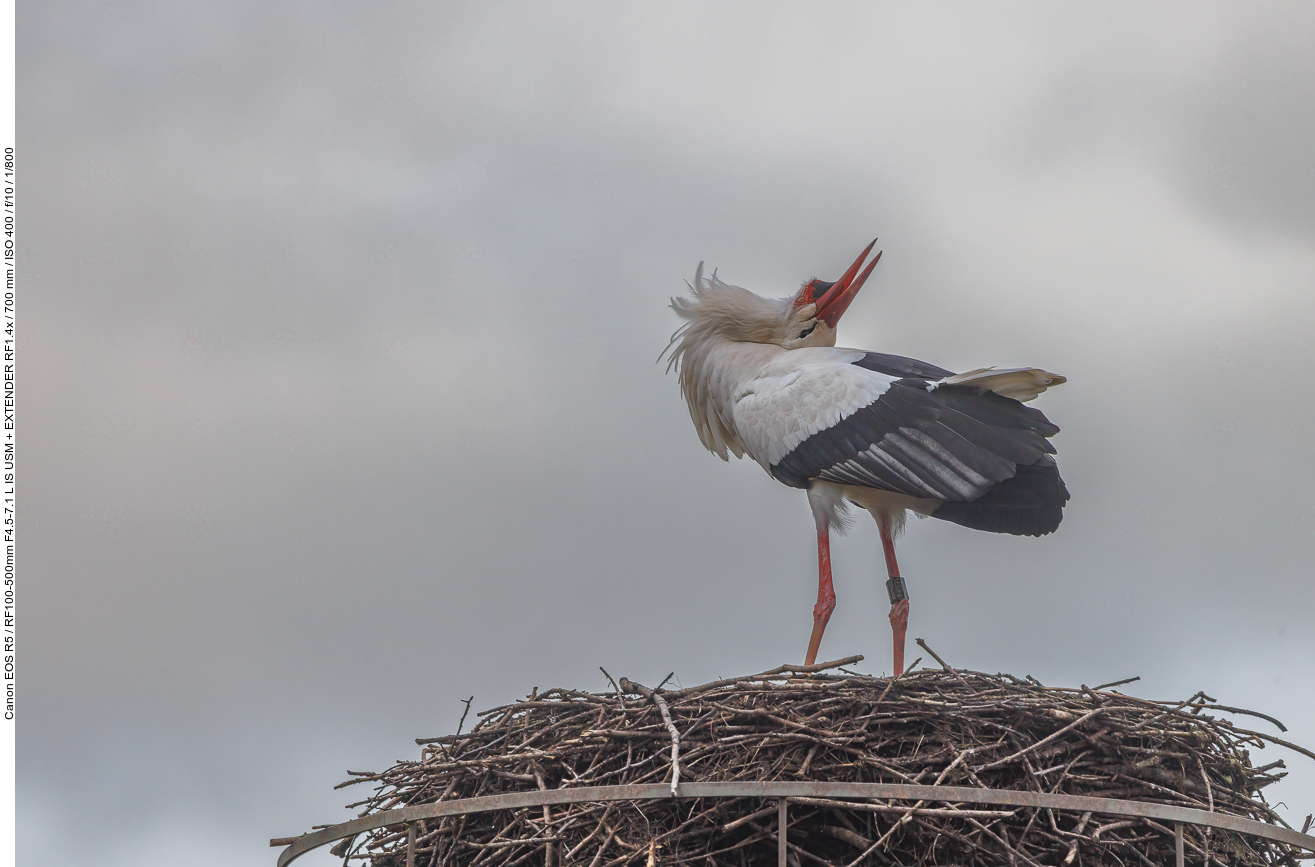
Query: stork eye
x,y
807,331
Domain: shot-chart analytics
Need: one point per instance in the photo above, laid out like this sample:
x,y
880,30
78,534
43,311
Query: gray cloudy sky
x,y
340,405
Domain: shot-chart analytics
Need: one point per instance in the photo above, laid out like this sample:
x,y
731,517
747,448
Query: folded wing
x,y
922,431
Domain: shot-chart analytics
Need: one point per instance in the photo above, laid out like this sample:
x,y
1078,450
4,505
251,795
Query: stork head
x,y
719,311
817,307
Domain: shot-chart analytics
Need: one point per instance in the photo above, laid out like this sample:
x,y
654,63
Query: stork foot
x,y
826,594
814,642
899,624
826,603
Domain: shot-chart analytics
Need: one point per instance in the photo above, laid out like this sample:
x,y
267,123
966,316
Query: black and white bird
x,y
892,435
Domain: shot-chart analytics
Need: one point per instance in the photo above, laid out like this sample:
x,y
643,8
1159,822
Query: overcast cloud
x,y
339,402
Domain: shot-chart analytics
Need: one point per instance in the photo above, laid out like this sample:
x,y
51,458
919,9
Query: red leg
x,y
899,607
826,594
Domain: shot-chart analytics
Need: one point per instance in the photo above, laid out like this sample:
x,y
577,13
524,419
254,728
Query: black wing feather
x,y
1029,504
988,463
991,408
899,365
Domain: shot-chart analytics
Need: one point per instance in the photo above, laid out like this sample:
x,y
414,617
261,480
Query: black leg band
x,y
897,589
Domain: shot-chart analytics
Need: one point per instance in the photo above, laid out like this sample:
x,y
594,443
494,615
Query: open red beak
x,y
833,300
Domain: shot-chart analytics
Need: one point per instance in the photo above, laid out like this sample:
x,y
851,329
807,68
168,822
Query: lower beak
x,y
832,305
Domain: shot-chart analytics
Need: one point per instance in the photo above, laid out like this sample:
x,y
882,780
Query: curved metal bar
x,y
896,791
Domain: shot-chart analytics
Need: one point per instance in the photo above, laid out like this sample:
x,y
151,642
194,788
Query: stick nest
x,y
929,727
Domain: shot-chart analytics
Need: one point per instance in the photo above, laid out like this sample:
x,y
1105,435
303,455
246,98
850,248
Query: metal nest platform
x,y
822,766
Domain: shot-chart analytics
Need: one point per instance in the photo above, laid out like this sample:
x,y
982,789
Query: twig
x,y
1041,743
656,698
743,820
1210,795
906,671
945,665
1271,739
1077,835
463,715
613,682
780,669
1240,710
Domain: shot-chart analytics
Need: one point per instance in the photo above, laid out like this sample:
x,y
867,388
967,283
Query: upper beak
x,y
832,304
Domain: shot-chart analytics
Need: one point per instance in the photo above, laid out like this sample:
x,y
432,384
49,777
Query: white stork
x,y
764,377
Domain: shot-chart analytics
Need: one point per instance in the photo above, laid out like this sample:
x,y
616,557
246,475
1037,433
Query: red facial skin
x,y
834,300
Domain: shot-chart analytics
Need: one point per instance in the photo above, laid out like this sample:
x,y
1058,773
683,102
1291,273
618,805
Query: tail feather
x,y
1029,504
1020,383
